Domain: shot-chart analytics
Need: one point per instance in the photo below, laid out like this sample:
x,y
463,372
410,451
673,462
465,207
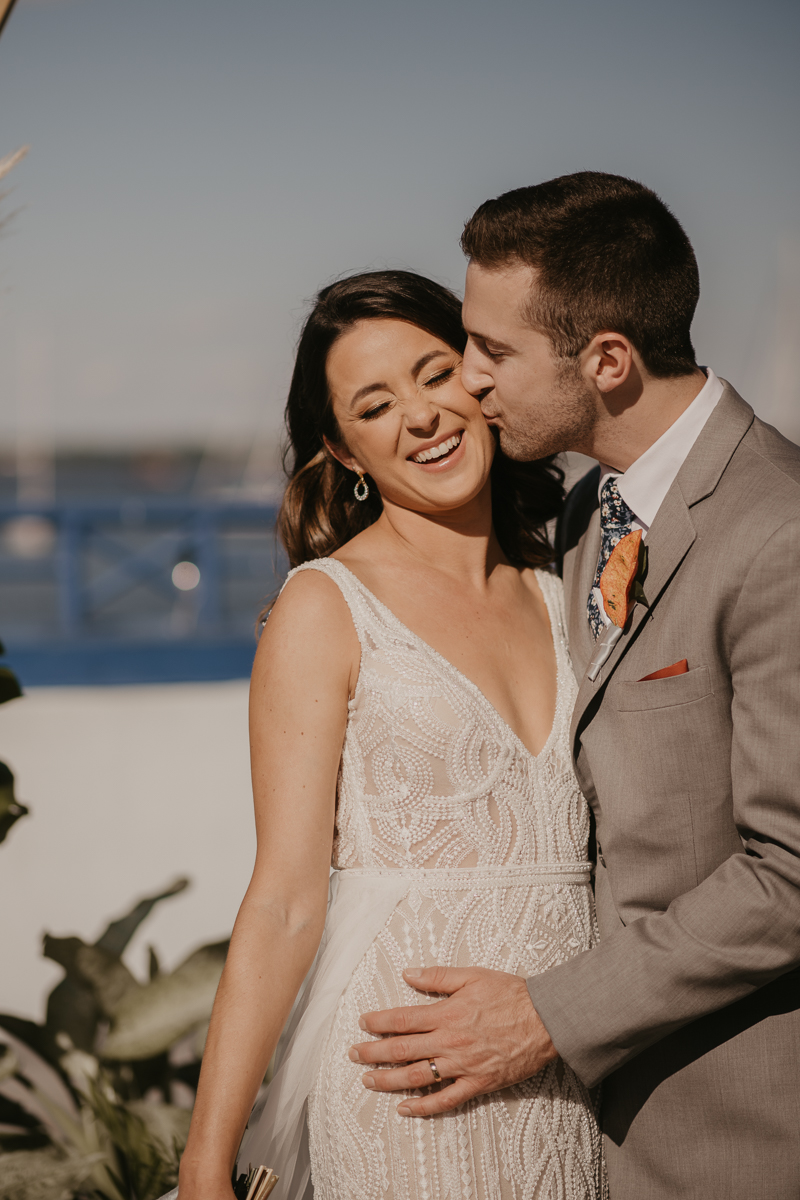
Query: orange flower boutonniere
x,y
623,577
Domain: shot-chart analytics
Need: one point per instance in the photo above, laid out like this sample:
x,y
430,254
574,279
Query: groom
x,y
686,734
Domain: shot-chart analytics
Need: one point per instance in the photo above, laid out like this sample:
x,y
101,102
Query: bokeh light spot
x,y
185,576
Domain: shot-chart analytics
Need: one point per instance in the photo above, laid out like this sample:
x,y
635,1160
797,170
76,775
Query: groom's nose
x,y
473,372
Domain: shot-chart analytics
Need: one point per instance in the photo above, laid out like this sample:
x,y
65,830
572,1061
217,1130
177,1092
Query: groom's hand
x,y
486,1035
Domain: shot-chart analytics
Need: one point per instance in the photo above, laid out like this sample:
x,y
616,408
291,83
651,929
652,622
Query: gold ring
x,y
435,1070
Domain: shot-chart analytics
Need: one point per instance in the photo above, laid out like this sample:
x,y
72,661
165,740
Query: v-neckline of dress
x,y
465,680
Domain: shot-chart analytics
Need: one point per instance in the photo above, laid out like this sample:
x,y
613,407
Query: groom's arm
x,y
740,928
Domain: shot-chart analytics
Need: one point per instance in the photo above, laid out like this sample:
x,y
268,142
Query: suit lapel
x,y
672,533
706,461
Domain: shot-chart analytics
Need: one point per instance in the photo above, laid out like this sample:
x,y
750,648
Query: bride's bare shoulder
x,y
309,633
309,597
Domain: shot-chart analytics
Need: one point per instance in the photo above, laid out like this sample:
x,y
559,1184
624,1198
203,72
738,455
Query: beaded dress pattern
x,y
490,843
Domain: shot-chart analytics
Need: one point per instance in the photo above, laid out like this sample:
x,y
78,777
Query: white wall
x,y
128,787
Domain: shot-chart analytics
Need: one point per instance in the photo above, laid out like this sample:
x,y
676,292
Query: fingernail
x,y
415,974
353,1055
404,1110
362,1024
368,1081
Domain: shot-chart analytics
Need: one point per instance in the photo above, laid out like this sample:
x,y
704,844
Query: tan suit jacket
x,y
689,1007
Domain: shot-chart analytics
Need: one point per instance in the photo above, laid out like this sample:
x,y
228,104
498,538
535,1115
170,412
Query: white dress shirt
x,y
647,480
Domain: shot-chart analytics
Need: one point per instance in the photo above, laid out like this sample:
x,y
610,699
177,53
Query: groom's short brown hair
x,y
608,254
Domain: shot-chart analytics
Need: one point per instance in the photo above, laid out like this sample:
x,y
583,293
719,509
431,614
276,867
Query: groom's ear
x,y
608,360
341,454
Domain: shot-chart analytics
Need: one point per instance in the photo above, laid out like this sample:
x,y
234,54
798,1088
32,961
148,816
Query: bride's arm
x,y
304,669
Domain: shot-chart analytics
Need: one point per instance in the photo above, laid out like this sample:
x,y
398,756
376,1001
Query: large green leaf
x,y
41,1175
10,808
10,687
119,933
72,1009
9,684
149,1020
72,1006
104,974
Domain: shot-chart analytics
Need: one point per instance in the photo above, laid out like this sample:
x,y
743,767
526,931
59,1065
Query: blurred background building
x,y
145,567
197,171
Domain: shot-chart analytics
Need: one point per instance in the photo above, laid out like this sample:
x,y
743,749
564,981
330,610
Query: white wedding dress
x,y
454,845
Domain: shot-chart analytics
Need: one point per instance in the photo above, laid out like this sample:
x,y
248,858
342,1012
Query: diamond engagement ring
x,y
435,1070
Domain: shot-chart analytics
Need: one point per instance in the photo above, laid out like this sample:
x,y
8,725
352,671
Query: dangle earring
x,y
361,490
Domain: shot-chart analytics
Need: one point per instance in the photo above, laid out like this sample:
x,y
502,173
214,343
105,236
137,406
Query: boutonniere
x,y
622,581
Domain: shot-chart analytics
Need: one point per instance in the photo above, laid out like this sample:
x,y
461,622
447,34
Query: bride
x,y
410,707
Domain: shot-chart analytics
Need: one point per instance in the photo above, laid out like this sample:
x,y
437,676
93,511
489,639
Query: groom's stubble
x,y
539,401
562,419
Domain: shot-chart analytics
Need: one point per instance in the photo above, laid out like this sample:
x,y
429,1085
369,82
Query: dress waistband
x,y
510,875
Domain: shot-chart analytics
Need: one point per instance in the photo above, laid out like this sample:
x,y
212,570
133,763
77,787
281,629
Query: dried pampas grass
x,y
10,161
7,164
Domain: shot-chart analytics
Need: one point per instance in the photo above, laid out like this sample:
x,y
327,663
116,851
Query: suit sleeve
x,y
740,928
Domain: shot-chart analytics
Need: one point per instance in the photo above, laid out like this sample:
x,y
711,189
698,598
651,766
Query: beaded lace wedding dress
x,y
454,845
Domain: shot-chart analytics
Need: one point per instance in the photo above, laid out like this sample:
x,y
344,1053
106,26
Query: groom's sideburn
x,y
689,1008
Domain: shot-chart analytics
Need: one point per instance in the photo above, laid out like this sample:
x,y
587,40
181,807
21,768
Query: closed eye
x,y
375,411
439,378
485,349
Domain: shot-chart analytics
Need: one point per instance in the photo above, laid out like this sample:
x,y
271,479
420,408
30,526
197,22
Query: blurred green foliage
x,y
10,808
87,1098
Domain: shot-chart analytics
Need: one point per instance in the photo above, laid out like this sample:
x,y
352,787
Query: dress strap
x,y
347,585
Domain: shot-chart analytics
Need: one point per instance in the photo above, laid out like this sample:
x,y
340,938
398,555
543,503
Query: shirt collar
x,y
647,480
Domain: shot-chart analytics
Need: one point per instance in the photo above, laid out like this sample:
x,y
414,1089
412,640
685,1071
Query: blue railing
x,y
134,590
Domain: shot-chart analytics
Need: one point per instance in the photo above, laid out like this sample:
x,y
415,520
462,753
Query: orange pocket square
x,y
678,668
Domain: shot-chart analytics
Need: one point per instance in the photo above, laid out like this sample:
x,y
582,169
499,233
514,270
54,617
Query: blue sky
x,y
198,170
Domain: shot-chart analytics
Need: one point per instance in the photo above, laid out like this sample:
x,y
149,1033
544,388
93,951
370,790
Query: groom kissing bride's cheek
x,y
680,558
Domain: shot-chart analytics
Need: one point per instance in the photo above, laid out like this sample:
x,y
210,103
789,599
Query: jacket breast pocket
x,y
661,693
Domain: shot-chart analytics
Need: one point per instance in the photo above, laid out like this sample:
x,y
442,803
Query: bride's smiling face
x,y
405,418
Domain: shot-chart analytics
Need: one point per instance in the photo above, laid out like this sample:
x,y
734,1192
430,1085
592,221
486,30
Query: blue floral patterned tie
x,y
616,520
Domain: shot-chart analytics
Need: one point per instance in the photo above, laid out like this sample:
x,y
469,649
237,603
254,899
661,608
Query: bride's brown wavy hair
x,y
319,512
